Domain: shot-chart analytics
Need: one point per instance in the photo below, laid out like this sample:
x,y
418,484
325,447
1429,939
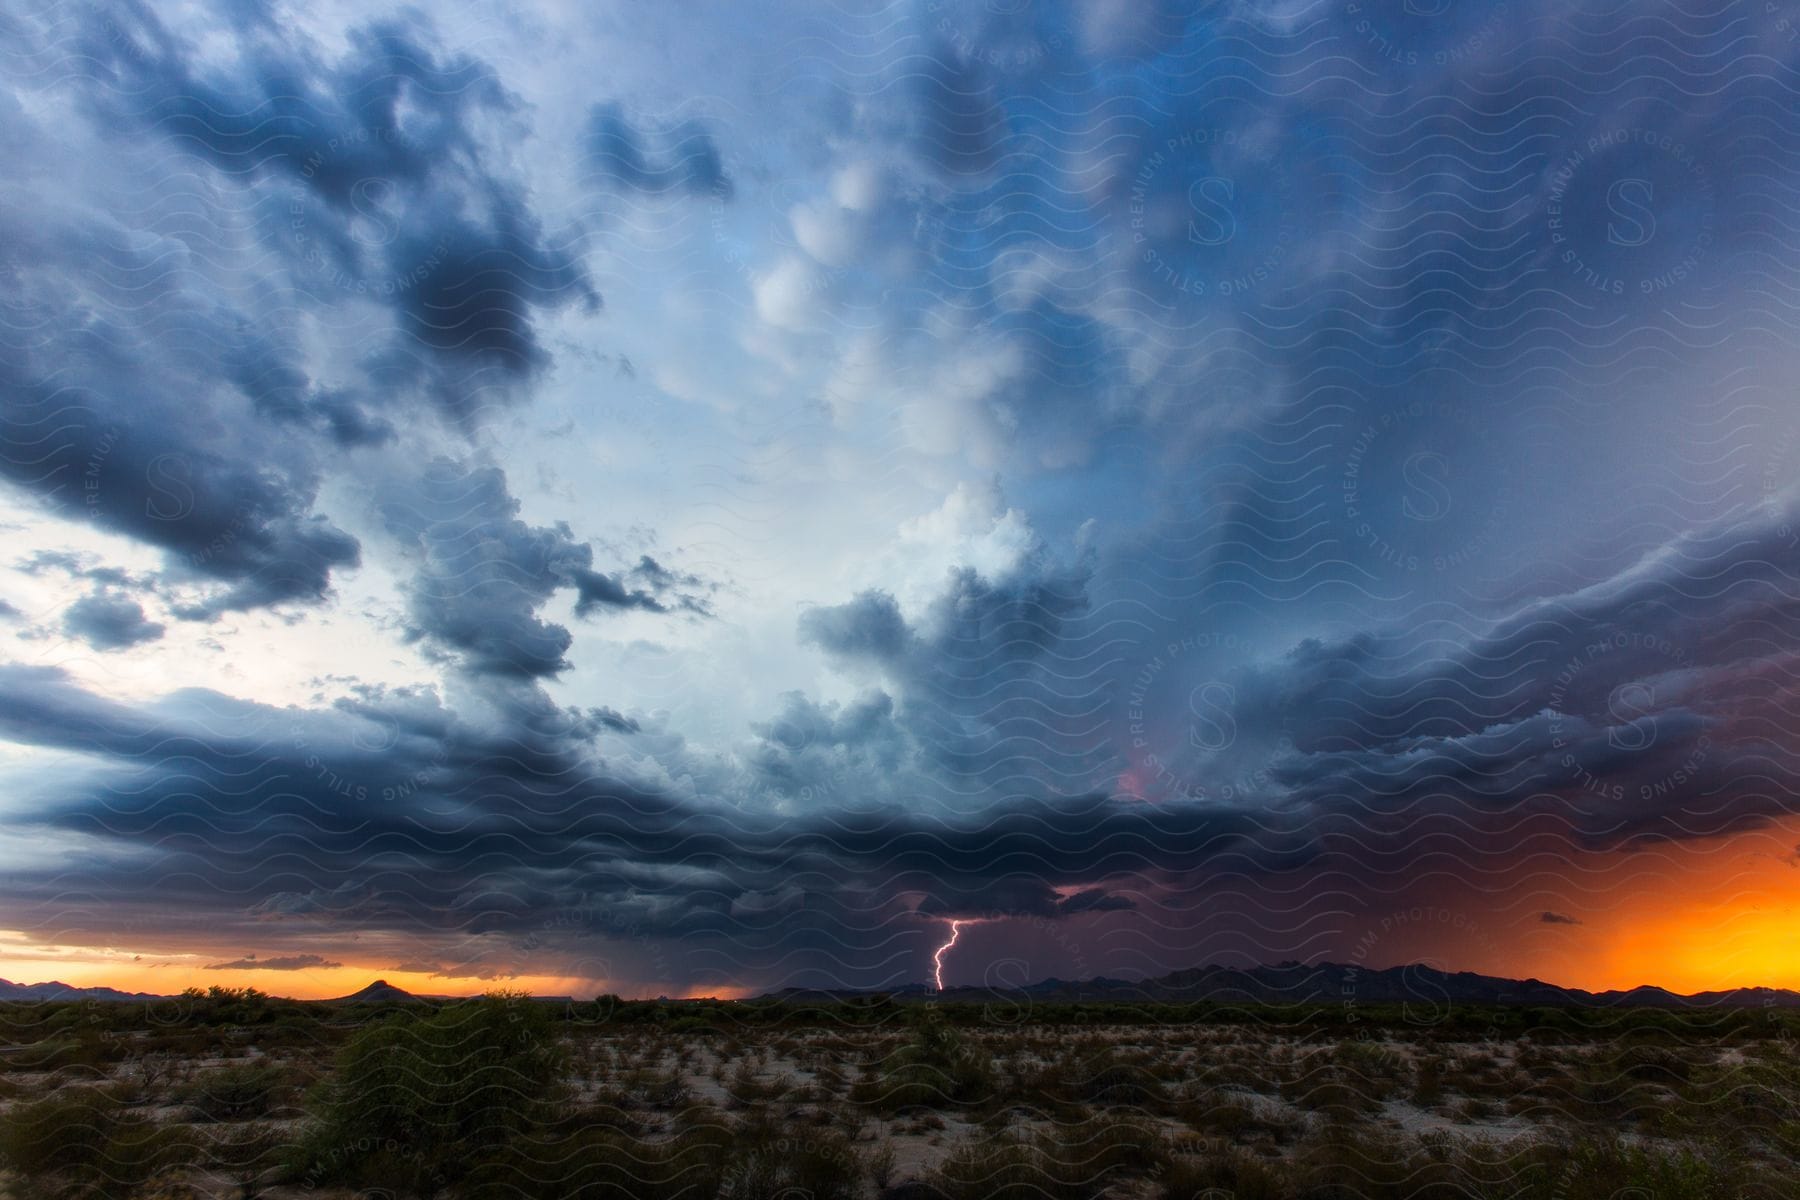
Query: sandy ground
x,y
805,1077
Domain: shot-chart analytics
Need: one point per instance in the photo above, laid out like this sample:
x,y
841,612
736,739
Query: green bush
x,y
1601,1170
235,1093
1101,1077
1224,1172
83,1141
935,1068
601,1164
1075,1163
419,1099
705,1160
245,1153
84,1049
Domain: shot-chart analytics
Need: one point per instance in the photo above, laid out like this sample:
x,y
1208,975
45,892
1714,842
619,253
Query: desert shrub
x,y
246,1153
83,1141
599,1164
1074,1163
1649,1063
1373,1068
1004,1168
1603,1170
1106,1078
656,1089
233,1093
1222,1171
57,1054
1344,1164
881,1163
935,1067
773,1164
1227,1115
1605,1088
1754,1096
1328,1092
417,1100
1428,1084
703,1161
747,1087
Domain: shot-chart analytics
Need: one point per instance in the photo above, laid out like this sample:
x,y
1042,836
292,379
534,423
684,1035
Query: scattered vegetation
x,y
233,1095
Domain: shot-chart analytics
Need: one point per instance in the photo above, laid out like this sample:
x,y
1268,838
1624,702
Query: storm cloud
x,y
1153,481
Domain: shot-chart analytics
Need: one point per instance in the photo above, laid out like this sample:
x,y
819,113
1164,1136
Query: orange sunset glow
x,y
128,972
1686,916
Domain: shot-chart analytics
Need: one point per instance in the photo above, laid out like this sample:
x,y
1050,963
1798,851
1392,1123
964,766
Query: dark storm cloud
x,y
288,962
108,621
812,750
1020,896
101,417
1648,707
129,395
1645,708
869,627
682,590
379,189
1142,203
614,720
482,574
978,628
394,813
992,687
82,566
596,590
681,157
391,813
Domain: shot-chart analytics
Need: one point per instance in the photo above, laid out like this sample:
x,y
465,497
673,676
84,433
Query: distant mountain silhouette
x,y
1328,983
56,990
379,992
1282,983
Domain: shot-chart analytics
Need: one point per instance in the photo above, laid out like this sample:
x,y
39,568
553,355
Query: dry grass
x,y
923,1103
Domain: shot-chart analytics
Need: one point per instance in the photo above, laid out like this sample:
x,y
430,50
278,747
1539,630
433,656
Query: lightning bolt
x,y
937,960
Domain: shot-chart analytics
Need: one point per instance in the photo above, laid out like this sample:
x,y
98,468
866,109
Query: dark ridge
x,y
379,992
1281,983
1326,983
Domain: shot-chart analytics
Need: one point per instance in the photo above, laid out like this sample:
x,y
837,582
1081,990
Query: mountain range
x,y
1281,983
1333,983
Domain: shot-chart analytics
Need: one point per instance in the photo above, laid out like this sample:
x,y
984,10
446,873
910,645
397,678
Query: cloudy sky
x,y
694,498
